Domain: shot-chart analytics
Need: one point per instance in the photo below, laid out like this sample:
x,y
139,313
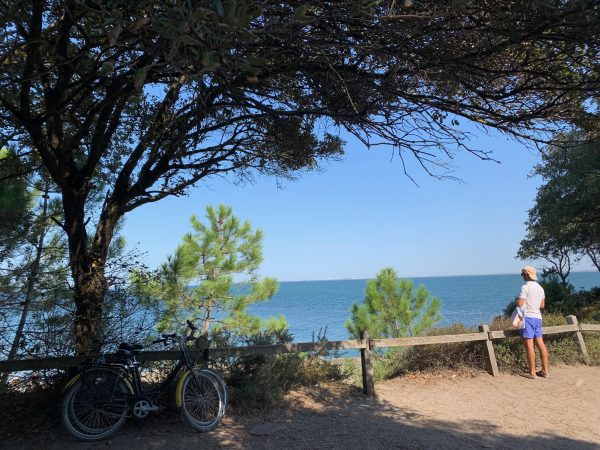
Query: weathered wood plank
x,y
286,348
18,365
560,329
173,355
573,321
503,334
492,364
427,340
589,327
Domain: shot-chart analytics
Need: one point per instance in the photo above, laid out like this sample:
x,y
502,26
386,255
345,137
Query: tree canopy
x,y
142,99
565,220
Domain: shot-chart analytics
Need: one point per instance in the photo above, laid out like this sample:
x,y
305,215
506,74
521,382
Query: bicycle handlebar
x,y
166,338
175,337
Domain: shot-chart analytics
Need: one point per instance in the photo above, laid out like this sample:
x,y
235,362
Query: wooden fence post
x,y
572,320
490,356
366,365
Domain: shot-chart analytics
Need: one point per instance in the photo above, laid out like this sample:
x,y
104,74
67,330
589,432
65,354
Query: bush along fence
x,y
365,344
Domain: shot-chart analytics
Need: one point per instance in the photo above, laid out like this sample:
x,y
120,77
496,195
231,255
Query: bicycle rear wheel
x,y
202,405
91,419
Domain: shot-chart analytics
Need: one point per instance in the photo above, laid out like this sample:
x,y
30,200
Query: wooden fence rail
x,y
365,345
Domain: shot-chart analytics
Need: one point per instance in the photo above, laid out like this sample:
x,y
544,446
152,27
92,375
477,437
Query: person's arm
x,y
520,300
543,304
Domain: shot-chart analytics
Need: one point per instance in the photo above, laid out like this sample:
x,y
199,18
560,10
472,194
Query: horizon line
x,y
421,276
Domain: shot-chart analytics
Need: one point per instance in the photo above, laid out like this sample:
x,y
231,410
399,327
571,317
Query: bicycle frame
x,y
134,373
132,368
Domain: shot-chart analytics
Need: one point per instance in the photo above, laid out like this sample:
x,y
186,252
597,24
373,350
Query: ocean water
x,y
311,306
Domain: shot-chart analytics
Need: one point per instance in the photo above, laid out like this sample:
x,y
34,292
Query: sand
x,y
448,410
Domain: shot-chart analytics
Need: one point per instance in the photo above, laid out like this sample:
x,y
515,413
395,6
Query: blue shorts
x,y
532,329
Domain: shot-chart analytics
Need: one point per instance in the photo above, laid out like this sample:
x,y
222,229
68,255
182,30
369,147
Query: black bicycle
x,y
98,401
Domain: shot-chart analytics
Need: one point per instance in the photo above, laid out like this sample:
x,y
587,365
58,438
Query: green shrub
x,y
461,355
260,382
446,356
351,368
510,355
563,349
389,364
592,343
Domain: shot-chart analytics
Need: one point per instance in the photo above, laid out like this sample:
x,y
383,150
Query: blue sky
x,y
362,214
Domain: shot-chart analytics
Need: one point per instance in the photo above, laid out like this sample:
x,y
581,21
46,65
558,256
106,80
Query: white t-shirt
x,y
533,294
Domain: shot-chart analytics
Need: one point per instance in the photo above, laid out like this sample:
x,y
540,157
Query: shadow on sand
x,y
332,422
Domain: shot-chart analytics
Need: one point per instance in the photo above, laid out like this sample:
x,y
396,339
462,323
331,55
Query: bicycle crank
x,y
142,408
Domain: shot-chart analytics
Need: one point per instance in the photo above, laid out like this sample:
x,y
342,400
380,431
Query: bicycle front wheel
x,y
93,419
220,381
202,405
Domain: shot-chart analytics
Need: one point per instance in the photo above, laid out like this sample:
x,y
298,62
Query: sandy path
x,y
429,412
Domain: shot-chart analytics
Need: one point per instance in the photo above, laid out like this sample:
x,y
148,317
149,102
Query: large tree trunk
x,y
88,260
90,289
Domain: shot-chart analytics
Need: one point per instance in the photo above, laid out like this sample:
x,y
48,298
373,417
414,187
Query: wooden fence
x,y
365,344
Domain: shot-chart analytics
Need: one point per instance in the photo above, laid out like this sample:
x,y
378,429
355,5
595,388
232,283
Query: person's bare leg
x,y
539,341
530,351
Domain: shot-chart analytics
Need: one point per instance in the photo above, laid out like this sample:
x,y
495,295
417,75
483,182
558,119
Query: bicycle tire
x,y
91,423
220,381
202,405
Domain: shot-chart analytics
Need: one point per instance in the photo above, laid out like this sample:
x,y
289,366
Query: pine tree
x,y
197,282
392,309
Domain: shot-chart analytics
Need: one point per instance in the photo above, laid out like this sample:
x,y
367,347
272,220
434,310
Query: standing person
x,y
532,297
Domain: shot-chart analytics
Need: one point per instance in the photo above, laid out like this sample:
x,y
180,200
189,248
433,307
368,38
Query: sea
x,y
316,307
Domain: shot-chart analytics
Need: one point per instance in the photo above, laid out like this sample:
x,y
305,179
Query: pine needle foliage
x,y
392,308
211,279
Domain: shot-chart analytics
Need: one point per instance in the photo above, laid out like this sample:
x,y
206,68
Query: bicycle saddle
x,y
130,347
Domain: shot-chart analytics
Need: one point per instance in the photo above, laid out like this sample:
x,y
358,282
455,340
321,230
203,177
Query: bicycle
x,y
97,401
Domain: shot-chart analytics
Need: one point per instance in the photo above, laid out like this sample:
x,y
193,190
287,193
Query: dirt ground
x,y
449,411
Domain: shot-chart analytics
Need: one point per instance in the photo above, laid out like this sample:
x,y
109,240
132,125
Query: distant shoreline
x,y
424,276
